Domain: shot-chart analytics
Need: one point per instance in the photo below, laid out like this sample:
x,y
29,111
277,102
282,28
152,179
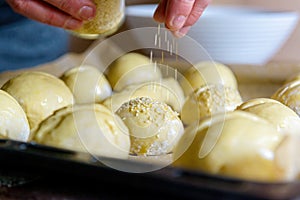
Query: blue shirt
x,y
26,43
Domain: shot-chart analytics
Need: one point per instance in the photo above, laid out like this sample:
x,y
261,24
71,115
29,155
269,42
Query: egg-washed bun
x,y
88,128
87,84
209,100
207,73
284,118
132,68
289,95
39,94
167,90
238,144
13,121
153,126
287,156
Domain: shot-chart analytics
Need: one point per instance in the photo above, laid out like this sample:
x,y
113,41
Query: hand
x,y
180,15
67,14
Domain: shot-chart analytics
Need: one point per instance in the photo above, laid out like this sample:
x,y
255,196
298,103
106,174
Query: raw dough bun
x,y
13,121
209,100
87,84
153,126
236,144
284,118
289,95
39,94
207,73
168,90
88,128
132,68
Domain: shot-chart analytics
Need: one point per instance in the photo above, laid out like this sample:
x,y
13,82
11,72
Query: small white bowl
x,y
231,35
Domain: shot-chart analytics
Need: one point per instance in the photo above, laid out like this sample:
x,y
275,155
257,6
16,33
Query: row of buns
x,y
83,110
134,109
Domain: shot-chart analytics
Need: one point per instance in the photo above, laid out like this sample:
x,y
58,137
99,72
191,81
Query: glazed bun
x,y
88,128
13,120
209,100
289,95
167,90
132,68
87,84
153,126
237,144
207,73
39,94
281,116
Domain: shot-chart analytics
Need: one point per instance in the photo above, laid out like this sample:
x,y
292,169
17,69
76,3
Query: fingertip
x,y
176,23
182,32
158,17
87,13
159,14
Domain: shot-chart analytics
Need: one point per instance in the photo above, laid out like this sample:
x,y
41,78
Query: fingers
x,y
177,12
198,9
80,9
67,14
180,15
195,14
159,14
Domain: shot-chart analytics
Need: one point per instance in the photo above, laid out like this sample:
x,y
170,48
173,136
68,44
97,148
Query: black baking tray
x,y
44,160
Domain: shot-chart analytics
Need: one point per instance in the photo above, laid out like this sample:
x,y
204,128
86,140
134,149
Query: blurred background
x,y
288,53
